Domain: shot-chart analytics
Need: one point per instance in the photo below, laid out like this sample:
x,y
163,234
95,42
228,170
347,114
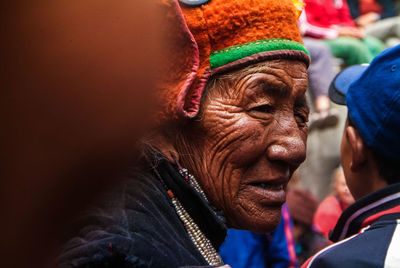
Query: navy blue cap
x,y
372,96
341,83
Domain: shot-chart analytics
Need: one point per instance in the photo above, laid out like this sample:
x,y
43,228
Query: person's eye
x,y
301,117
263,109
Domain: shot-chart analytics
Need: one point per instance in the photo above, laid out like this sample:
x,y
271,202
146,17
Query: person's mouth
x,y
269,186
275,184
271,192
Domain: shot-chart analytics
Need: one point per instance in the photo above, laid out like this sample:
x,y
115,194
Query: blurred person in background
x,y
377,18
330,21
302,206
223,149
330,209
320,74
368,232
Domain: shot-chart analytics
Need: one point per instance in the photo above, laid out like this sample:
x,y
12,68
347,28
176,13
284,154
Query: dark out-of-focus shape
x,y
78,89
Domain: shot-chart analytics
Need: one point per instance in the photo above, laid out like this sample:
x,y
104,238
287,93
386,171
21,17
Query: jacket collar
x,y
366,211
210,220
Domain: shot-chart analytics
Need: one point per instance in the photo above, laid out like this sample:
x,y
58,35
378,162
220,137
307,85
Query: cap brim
x,y
341,83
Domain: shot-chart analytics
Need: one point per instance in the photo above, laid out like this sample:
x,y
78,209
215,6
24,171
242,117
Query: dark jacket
x,y
388,7
366,235
138,225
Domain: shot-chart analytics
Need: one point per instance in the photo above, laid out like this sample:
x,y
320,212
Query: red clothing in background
x,y
323,18
327,214
328,13
367,6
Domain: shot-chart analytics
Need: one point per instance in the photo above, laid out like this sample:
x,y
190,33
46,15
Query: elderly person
x,y
228,140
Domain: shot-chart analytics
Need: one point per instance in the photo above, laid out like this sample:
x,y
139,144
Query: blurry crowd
x,y
351,32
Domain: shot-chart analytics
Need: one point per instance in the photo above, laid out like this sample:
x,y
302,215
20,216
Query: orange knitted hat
x,y
229,34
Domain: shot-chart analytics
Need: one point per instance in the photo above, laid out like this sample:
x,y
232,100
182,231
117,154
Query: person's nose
x,y
289,144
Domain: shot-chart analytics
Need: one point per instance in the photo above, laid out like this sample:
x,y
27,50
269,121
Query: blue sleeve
x,y
246,249
243,249
281,251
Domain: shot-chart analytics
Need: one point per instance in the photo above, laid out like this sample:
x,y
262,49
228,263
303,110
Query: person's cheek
x,y
230,146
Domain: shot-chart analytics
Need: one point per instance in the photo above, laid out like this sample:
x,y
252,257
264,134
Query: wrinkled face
x,y
249,140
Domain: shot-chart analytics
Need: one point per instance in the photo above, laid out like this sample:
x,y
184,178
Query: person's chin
x,y
268,223
262,223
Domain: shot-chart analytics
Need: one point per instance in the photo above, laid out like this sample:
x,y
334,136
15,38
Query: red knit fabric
x,y
216,25
220,24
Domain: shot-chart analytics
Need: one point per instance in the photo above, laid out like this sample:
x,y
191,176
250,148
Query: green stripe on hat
x,y
224,56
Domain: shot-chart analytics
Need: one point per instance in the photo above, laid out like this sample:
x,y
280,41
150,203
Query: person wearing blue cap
x,y
368,232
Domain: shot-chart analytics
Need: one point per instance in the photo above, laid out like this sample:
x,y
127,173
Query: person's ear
x,y
358,149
